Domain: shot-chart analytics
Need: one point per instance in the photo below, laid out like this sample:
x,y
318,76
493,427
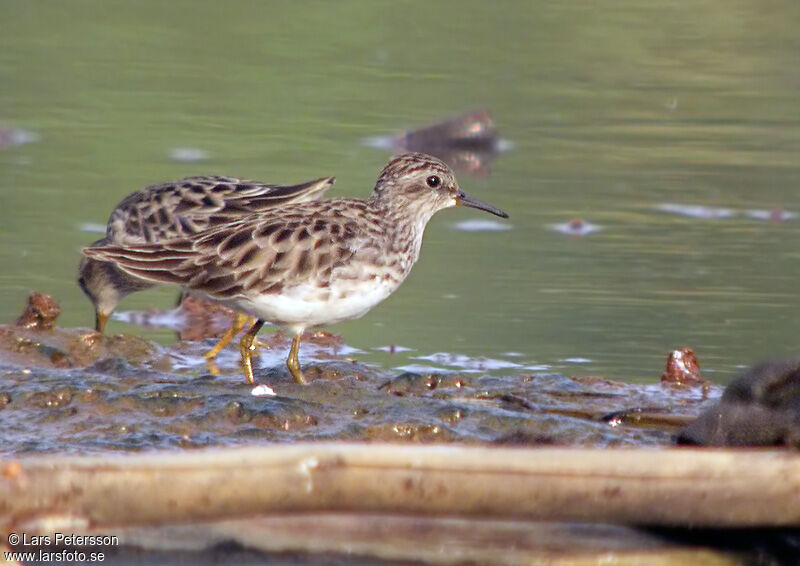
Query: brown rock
x,y
40,312
682,369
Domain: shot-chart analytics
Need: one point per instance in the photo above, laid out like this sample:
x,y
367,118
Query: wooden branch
x,y
680,487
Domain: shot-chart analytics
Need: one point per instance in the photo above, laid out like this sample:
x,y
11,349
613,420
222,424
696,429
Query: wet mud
x,y
73,390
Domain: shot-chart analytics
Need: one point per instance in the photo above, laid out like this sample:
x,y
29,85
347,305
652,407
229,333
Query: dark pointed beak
x,y
464,199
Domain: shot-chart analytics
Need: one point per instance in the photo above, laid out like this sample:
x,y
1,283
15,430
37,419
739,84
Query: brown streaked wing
x,y
264,197
156,263
194,204
268,255
257,254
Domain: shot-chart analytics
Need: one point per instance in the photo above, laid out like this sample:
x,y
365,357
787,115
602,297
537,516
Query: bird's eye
x,y
433,181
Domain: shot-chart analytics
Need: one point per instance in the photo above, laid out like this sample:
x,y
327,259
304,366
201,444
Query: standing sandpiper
x,y
308,264
176,210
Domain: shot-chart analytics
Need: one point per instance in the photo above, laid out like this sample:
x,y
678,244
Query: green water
x,y
613,108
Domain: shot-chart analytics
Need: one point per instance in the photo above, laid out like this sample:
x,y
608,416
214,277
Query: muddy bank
x,y
76,391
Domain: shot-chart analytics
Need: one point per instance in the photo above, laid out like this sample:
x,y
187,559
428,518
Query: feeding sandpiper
x,y
179,209
309,264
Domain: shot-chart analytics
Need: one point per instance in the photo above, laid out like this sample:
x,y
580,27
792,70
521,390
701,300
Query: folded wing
x,y
260,254
195,204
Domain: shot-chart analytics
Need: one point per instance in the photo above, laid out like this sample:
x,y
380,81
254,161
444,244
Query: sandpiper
x,y
309,264
179,209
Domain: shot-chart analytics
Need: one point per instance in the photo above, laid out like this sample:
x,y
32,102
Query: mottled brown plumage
x,y
175,210
306,264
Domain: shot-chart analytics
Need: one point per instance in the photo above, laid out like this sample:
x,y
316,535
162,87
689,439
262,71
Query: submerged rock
x,y
468,142
576,227
473,130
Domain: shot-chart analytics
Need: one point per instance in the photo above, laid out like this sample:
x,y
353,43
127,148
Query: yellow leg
x,y
246,348
294,364
100,320
239,321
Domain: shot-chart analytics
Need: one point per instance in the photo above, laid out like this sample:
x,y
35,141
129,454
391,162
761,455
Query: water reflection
x,y
612,112
188,154
481,225
713,212
10,137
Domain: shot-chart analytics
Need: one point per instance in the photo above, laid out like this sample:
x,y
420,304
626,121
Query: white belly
x,y
306,306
